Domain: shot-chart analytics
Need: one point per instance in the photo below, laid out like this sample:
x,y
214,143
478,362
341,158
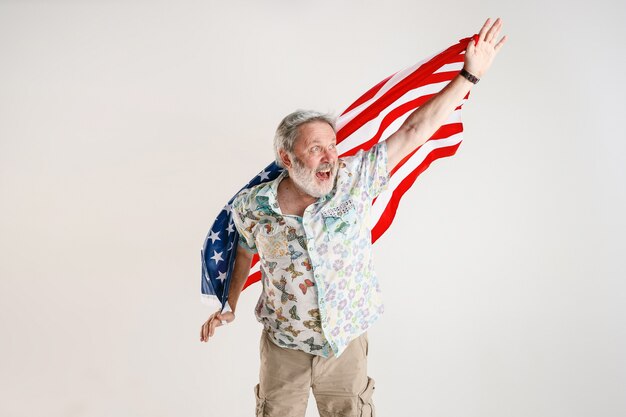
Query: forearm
x,y
425,121
240,274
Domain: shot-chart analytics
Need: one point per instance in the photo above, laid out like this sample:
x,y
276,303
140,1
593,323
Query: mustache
x,y
325,167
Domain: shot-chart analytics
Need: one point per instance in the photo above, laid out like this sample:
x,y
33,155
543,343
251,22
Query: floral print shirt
x,y
319,287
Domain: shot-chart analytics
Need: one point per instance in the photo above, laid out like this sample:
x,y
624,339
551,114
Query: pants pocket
x,y
366,405
260,402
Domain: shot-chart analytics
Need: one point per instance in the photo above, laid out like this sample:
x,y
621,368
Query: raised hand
x,y
480,55
215,320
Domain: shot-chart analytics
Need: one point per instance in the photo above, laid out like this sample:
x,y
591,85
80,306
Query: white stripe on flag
x,y
455,117
455,66
418,157
367,131
393,81
255,268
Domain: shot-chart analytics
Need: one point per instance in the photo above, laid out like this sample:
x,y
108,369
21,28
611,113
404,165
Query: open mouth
x,y
323,175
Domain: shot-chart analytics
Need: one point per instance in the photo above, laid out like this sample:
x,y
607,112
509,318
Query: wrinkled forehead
x,y
316,132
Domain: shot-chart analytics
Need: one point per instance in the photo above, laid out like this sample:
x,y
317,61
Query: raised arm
x,y
424,122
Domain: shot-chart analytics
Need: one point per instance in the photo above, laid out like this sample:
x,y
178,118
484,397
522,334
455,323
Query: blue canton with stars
x,y
220,246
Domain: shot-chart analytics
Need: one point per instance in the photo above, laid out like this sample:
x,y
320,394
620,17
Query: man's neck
x,y
291,199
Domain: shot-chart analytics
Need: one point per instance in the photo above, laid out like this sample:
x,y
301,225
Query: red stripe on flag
x,y
368,95
443,132
416,78
256,277
399,112
390,210
372,91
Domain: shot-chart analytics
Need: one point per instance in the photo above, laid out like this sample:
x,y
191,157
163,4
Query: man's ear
x,y
284,158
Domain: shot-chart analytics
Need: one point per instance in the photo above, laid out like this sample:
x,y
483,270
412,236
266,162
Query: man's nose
x,y
330,155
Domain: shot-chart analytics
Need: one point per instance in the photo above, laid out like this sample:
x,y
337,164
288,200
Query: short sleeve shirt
x,y
320,290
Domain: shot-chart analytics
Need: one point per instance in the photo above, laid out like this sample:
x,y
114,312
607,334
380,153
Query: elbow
x,y
417,135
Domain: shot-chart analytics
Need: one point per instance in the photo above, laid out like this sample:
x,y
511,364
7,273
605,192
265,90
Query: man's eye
x,y
332,146
315,149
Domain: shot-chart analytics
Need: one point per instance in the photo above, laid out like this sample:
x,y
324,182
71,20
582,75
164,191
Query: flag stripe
x,y
455,63
443,132
368,95
416,78
409,101
413,168
390,210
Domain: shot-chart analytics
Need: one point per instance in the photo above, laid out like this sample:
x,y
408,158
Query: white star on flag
x,y
230,228
264,175
222,276
217,256
214,236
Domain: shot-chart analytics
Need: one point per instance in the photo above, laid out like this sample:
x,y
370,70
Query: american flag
x,y
371,118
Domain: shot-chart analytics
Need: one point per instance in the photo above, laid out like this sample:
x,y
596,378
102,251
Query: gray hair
x,y
287,131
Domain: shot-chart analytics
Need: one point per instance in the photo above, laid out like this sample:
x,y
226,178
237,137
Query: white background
x,y
126,125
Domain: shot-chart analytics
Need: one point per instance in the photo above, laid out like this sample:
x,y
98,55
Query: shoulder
x,y
247,197
355,163
362,155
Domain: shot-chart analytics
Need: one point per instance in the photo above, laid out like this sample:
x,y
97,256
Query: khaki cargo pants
x,y
340,385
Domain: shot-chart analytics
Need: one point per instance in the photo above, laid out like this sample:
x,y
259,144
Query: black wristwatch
x,y
471,78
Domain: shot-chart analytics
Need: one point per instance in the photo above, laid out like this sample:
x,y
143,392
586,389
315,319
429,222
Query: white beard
x,y
306,180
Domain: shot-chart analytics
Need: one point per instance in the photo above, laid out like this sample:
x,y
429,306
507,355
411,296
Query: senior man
x,y
310,228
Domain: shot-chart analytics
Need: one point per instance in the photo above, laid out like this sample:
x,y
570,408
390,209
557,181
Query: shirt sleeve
x,y
243,224
374,176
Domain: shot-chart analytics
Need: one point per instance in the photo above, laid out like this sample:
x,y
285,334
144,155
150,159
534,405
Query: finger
x,y
501,43
205,331
483,30
471,46
207,327
214,324
493,31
